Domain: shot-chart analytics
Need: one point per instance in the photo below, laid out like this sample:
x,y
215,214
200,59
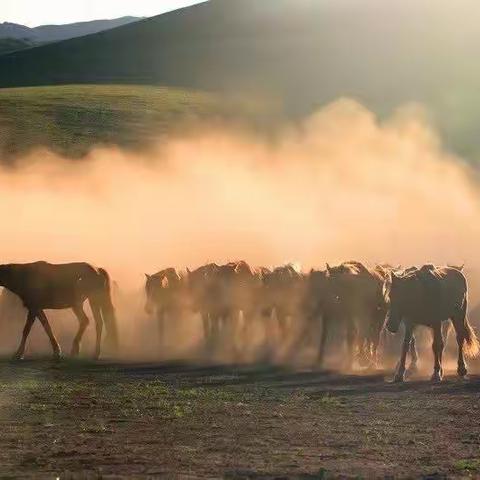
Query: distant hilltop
x,y
15,37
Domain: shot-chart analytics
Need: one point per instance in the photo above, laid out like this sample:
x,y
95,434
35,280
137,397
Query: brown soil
x,y
178,420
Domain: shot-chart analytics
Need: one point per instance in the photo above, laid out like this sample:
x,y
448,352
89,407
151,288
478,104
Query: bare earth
x,y
178,420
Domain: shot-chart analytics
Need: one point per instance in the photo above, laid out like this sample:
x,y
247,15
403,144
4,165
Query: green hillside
x,y
8,45
73,119
302,53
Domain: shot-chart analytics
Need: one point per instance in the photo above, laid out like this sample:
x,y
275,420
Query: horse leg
x,y
351,338
214,328
26,331
461,366
161,326
245,326
363,342
323,340
83,324
446,331
458,325
437,346
206,327
372,350
400,374
97,315
413,367
376,333
57,351
282,323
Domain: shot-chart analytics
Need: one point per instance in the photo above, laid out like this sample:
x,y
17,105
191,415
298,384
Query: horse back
x,y
43,285
440,292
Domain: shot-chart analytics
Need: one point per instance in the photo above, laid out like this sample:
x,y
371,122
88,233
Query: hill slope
x,y
55,33
304,52
71,120
8,45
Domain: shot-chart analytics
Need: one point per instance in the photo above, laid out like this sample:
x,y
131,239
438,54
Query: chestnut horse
x,y
42,285
430,296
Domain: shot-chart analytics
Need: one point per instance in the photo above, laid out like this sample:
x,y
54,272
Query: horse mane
x,y
170,275
243,267
457,267
351,267
261,272
383,270
289,269
426,272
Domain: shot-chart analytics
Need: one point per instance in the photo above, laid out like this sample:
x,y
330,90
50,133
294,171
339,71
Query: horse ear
x,y
188,271
164,282
328,269
147,276
393,276
312,271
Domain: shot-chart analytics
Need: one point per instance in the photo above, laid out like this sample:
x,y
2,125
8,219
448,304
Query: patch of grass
x,y
72,119
331,401
468,465
49,394
93,427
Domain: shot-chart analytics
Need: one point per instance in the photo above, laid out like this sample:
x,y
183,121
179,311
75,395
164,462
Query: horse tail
x,y
472,344
108,310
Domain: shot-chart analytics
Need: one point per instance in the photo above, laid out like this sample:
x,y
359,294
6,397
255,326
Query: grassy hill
x,y
303,52
8,45
72,119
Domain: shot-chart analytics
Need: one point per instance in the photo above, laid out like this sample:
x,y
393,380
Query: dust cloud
x,y
341,185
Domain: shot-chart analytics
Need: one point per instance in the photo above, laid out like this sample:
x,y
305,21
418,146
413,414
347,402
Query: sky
x,y
42,12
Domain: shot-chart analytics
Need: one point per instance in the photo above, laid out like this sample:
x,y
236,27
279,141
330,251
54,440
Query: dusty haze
x,y
340,186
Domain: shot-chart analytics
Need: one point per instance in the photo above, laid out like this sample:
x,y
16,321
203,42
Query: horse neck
x,y
7,279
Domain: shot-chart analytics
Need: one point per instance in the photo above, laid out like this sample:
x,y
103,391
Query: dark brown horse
x,y
387,270
357,294
42,286
431,296
283,294
221,293
167,297
202,285
319,308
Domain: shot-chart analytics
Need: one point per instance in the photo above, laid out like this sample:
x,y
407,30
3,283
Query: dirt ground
x,y
179,420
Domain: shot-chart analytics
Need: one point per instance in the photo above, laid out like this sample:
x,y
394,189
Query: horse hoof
x,y
437,377
412,371
399,379
17,358
57,357
462,373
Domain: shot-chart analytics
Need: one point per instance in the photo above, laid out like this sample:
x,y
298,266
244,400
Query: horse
x,y
356,293
43,285
237,290
413,366
202,291
166,296
220,293
430,296
318,308
283,294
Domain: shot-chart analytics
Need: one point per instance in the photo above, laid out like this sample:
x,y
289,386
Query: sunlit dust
x,y
340,186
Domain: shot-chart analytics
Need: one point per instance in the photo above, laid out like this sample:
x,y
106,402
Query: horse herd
x,y
361,302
